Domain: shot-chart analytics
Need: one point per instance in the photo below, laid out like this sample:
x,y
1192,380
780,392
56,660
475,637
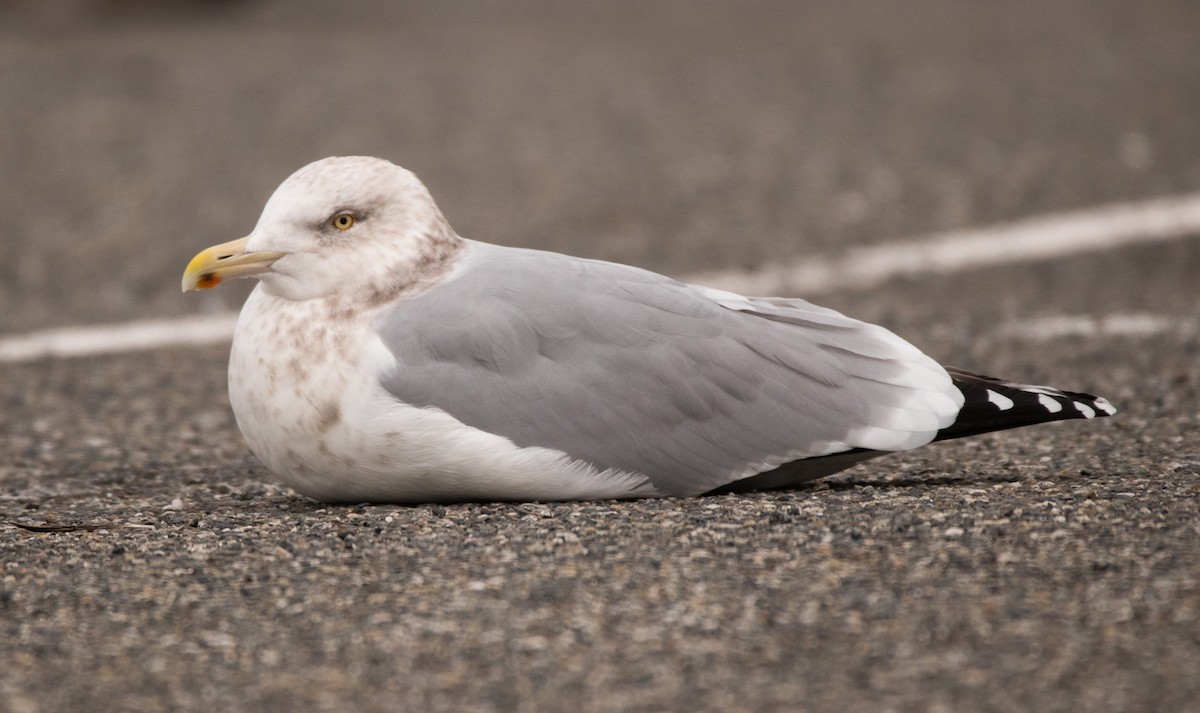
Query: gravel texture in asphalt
x,y
148,562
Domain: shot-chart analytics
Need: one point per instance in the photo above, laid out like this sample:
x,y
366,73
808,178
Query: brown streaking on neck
x,y
440,249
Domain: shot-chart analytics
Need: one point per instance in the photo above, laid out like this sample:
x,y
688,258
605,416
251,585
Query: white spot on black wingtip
x,y
1002,402
1087,411
1102,404
1049,404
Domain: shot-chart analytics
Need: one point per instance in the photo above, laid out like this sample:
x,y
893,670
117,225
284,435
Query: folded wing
x,y
632,371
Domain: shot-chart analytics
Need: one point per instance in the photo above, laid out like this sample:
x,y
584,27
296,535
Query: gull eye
x,y
342,221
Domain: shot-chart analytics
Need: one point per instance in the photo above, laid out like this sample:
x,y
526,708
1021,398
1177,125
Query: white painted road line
x,y
1124,324
1059,235
1042,238
115,338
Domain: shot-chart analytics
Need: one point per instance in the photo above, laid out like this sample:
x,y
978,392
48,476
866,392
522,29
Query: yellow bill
x,y
214,264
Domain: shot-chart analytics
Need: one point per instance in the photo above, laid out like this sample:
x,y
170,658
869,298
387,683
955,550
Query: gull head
x,y
343,227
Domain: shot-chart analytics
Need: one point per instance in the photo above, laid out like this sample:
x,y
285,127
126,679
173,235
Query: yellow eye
x,y
342,221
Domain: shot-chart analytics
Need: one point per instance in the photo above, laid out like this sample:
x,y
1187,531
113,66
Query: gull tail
x,y
994,405
989,404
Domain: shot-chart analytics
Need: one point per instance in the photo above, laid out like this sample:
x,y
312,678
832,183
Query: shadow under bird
x,y
382,357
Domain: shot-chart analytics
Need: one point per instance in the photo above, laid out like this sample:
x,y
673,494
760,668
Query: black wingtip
x,y
992,404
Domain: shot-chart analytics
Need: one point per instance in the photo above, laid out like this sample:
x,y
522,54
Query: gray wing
x,y
627,369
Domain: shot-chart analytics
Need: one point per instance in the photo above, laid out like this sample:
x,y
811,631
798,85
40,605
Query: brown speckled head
x,y
354,230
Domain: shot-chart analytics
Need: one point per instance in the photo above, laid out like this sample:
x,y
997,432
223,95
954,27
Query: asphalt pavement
x,y
148,562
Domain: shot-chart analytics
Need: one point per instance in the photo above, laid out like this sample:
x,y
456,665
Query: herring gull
x,y
382,357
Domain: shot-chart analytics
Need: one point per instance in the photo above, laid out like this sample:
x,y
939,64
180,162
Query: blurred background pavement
x,y
673,135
